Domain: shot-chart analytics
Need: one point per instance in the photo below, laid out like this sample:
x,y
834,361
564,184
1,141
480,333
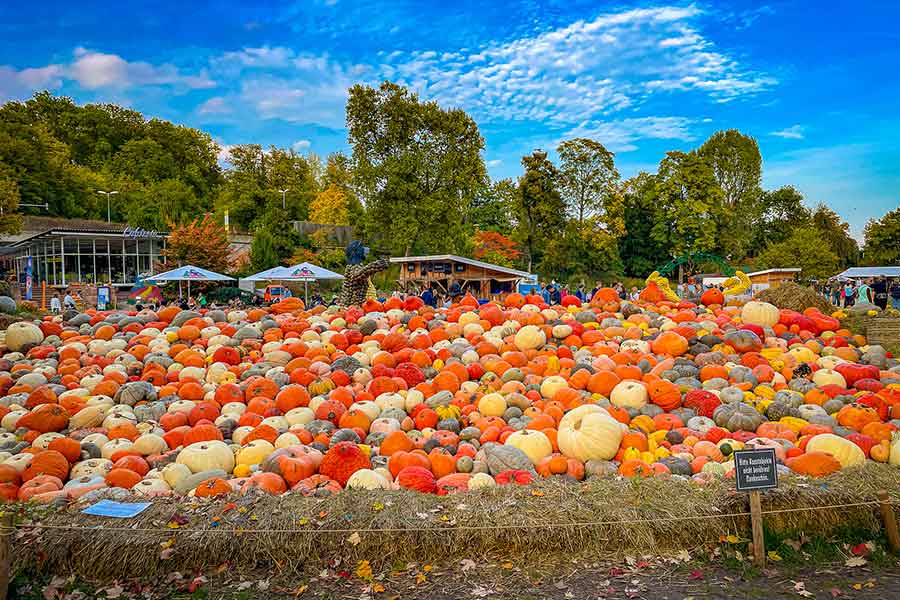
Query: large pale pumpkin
x,y
481,480
207,456
367,479
551,385
760,313
534,444
629,394
824,377
529,337
845,451
589,433
19,335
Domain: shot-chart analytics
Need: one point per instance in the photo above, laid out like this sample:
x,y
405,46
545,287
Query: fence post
x,y
756,524
890,521
6,533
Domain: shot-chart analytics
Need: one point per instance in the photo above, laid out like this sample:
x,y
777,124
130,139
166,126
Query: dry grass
x,y
298,534
795,297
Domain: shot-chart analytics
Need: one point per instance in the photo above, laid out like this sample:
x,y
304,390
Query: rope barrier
x,y
439,529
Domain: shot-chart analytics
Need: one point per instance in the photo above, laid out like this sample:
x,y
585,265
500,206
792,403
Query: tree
x,y
417,166
883,240
737,168
10,219
492,207
688,196
539,207
584,250
330,207
806,249
263,253
781,212
202,242
588,179
495,248
837,233
641,253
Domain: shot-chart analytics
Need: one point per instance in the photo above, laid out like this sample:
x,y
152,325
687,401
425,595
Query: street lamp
x,y
283,192
107,194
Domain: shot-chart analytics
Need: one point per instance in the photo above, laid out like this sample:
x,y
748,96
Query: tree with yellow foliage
x,y
330,206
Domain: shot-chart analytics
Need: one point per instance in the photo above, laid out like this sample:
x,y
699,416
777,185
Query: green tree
x,y
10,219
263,253
339,173
539,208
737,168
883,239
805,248
641,253
688,196
837,233
418,166
584,250
781,212
492,207
588,181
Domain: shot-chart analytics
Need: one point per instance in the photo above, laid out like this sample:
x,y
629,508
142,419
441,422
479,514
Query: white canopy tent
x,y
305,272
189,273
866,272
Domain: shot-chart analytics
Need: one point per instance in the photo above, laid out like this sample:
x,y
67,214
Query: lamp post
x,y
107,194
283,192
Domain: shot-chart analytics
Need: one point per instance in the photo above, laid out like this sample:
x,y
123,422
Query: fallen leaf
x,y
364,570
428,568
696,574
683,556
244,585
860,550
507,565
800,588
303,521
378,588
856,561
114,591
262,585
354,539
299,591
835,592
378,506
773,556
537,493
421,578
857,586
467,564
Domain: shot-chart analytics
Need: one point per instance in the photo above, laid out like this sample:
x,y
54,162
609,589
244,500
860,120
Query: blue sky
x,y
816,83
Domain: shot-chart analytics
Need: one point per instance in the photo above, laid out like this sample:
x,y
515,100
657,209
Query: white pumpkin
x,y
286,440
150,443
207,456
535,444
43,441
760,313
367,479
481,480
151,487
89,416
629,394
19,462
92,467
390,400
824,377
299,416
113,446
529,337
19,335
175,473
589,433
372,410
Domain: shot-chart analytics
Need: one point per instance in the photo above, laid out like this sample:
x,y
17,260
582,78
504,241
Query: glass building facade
x,y
61,258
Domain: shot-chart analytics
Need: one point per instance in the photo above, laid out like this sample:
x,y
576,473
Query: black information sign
x,y
755,469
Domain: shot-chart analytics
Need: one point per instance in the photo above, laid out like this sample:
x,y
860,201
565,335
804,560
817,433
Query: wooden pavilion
x,y
481,279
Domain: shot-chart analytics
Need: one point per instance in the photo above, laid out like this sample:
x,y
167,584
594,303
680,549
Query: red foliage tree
x,y
496,248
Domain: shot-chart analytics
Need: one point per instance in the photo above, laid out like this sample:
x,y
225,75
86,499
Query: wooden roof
x,y
460,259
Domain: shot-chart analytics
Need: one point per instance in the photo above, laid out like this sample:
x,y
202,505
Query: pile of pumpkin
x,y
399,395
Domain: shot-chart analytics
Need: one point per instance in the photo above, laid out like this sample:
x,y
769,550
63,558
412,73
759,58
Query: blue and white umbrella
x,y
304,272
189,273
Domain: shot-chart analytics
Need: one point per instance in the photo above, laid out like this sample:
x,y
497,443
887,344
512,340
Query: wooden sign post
x,y
754,471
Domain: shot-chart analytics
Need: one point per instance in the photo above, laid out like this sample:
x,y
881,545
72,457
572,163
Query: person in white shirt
x,y
55,304
69,301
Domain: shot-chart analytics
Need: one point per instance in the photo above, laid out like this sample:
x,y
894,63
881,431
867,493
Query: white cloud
x,y
17,84
621,135
97,70
494,163
301,145
217,105
224,152
794,132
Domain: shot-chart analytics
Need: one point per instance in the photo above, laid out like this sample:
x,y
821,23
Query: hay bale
x,y
299,534
795,297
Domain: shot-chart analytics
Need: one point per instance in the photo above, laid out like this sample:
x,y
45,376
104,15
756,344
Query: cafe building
x,y
65,252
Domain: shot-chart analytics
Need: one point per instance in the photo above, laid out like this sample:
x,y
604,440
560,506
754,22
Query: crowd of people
x,y
880,291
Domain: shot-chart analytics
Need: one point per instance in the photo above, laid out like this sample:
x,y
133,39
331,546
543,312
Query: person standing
x,y
895,294
55,304
428,297
545,293
847,295
864,292
880,292
69,301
